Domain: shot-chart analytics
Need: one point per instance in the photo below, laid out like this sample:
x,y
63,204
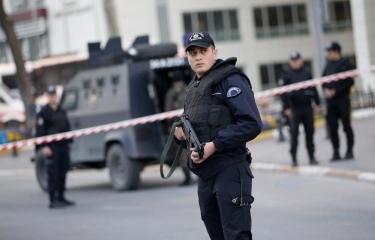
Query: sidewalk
x,y
272,155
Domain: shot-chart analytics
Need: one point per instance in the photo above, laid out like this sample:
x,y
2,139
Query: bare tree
x,y
23,79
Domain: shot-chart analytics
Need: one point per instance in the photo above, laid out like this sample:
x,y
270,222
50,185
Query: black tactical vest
x,y
208,115
56,121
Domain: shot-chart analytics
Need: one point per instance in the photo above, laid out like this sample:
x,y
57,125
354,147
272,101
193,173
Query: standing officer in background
x,y
222,110
52,119
338,100
174,100
297,106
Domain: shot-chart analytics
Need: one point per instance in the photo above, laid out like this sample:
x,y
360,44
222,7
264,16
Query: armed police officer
x,y
338,100
297,106
222,110
52,119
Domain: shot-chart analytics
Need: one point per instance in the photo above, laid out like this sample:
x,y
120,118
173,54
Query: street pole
x,y
320,12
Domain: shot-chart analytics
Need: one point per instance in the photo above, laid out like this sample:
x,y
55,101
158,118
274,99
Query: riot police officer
x,y
297,106
52,119
338,100
222,110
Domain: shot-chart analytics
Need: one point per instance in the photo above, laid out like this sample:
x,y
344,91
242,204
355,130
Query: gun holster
x,y
248,156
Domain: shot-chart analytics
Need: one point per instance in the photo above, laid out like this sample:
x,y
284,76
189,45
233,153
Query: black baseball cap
x,y
294,55
51,89
200,39
333,46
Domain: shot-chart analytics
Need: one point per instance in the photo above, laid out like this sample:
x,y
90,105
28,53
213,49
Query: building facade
x,y
260,33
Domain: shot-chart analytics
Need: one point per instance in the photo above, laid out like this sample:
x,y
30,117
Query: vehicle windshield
x,y
13,95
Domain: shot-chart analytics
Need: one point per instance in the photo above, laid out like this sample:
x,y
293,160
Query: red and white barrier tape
x,y
313,82
176,113
92,130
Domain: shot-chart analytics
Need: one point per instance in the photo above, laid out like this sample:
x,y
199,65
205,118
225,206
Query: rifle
x,y
192,141
191,137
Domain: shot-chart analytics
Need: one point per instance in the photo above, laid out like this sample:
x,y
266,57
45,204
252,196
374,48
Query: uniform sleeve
x,y
41,128
248,124
70,140
285,98
344,85
316,95
324,85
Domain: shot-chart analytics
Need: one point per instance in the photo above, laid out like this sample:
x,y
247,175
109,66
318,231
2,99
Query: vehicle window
x,y
69,100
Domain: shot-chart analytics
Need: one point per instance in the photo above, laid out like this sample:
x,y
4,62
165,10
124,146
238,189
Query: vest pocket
x,y
214,117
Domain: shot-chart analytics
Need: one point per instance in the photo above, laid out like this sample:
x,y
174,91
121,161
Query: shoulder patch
x,y
233,91
40,121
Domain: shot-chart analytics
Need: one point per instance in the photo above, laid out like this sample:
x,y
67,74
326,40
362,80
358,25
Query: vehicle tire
x,y
41,171
123,171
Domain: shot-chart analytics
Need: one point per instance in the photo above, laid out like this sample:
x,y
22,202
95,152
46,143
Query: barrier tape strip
x,y
176,113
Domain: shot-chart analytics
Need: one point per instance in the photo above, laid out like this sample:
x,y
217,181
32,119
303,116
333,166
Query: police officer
x,y
174,99
297,106
222,110
338,100
52,119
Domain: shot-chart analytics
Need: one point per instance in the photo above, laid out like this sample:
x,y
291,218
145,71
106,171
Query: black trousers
x,y
336,110
304,115
225,202
57,166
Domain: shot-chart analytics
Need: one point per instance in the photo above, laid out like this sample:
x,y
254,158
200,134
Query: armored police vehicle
x,y
120,85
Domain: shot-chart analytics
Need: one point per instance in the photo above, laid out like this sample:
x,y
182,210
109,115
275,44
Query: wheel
x,y
123,171
41,170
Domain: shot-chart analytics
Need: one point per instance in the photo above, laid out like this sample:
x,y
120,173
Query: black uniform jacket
x,y
300,98
342,87
50,122
248,125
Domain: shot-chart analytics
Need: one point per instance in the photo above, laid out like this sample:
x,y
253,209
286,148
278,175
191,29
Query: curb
x,y
360,176
315,171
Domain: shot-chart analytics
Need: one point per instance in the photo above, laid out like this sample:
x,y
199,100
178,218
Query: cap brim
x,y
198,44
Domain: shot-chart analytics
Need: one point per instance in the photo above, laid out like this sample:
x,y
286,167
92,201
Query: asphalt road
x,y
286,206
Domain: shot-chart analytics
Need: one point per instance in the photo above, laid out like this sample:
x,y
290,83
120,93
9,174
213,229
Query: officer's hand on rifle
x,y
179,134
209,149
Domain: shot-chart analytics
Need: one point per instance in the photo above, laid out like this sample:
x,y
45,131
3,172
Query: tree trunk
x,y
22,78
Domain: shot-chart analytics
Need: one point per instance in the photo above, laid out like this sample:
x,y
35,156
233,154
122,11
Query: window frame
x,y
64,96
296,27
227,34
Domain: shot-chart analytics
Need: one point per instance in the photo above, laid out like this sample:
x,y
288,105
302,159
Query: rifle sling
x,y
165,151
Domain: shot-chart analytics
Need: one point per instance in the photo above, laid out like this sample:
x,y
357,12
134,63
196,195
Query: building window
x,y
25,5
222,25
278,21
340,17
270,73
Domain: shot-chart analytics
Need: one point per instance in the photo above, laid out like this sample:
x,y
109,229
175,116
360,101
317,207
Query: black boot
x,y
349,155
336,156
65,201
294,160
313,161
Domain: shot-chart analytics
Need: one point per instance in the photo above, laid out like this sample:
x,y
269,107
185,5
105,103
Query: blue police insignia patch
x,y
233,91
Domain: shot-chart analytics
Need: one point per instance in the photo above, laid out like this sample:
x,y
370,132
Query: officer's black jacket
x,y
247,126
300,98
342,87
50,122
